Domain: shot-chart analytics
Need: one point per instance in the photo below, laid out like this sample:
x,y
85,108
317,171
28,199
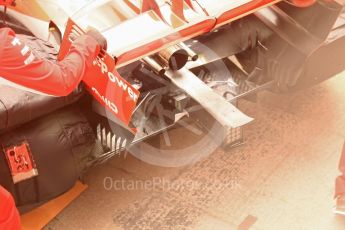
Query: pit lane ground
x,y
282,178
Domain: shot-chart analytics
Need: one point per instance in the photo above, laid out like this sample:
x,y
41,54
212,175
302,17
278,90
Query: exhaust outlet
x,y
174,57
190,52
155,66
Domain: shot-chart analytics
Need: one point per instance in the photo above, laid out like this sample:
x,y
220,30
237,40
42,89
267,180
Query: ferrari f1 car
x,y
177,62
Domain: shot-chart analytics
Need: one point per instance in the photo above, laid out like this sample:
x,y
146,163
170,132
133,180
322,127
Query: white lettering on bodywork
x,y
106,101
115,79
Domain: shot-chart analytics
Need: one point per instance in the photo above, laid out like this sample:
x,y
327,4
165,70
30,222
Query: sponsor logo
x,y
106,101
116,80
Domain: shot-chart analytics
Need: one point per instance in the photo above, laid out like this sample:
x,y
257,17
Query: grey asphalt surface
x,y
281,178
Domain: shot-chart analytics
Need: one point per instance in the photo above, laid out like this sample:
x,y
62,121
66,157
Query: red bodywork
x,y
117,99
109,88
104,82
7,2
204,26
303,3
